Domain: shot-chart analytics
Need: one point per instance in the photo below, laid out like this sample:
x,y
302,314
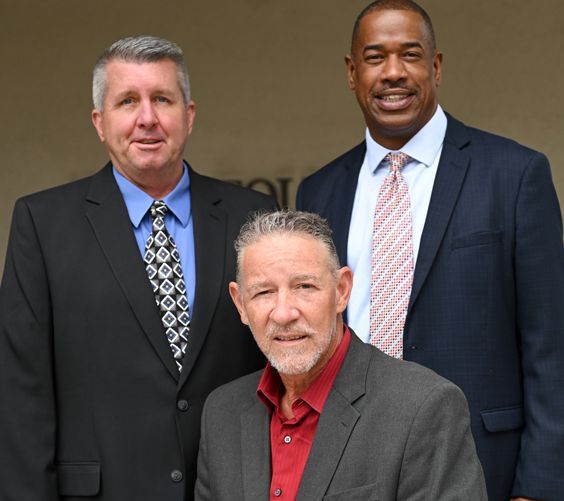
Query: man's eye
x,y
374,57
162,99
305,286
127,100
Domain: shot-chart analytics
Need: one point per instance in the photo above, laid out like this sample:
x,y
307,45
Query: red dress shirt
x,y
291,439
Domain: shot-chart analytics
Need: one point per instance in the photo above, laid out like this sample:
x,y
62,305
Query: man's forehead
x,y
300,252
122,75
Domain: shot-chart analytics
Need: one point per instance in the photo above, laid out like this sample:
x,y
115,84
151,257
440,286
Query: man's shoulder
x,y
66,193
485,142
230,192
236,393
392,379
351,159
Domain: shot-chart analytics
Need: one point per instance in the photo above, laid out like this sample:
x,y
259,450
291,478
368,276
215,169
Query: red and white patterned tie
x,y
392,260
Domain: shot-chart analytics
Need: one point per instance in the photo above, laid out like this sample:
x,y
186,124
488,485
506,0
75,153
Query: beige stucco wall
x,y
268,80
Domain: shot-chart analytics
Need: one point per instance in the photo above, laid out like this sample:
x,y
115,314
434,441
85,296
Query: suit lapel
x,y
340,202
336,422
107,214
255,452
210,227
448,183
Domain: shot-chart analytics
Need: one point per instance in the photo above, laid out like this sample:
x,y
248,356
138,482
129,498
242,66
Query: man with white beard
x,y
329,417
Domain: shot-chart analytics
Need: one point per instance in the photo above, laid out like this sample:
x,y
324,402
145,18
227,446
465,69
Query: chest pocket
x,y
364,493
478,238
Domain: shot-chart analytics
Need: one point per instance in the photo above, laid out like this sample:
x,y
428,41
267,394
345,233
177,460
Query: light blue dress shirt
x,y
178,221
425,149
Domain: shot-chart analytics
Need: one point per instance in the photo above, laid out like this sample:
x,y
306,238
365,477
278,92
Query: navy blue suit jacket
x,y
487,304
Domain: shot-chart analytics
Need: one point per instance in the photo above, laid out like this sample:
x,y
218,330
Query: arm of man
x,y
202,491
440,460
27,402
539,272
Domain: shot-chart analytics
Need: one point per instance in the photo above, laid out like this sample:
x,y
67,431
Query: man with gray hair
x,y
115,317
330,417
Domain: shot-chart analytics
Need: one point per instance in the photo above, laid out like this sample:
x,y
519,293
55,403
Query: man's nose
x,y
285,310
147,117
393,69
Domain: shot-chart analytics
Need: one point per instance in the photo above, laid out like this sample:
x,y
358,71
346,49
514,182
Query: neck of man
x,y
158,183
295,385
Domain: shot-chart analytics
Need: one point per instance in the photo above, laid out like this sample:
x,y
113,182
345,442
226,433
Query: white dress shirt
x,y
425,149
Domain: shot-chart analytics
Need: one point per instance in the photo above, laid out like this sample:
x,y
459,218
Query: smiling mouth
x,y
289,338
394,102
394,98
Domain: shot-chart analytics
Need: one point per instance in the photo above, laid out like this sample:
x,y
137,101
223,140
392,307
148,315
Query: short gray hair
x,y
261,224
139,49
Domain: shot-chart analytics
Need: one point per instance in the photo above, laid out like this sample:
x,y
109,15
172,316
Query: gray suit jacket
x,y
389,430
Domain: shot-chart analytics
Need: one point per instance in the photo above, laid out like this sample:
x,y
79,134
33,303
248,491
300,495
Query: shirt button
x,y
287,439
182,405
176,475
278,492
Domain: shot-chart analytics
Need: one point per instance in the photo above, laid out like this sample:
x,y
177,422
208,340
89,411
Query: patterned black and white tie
x,y
162,262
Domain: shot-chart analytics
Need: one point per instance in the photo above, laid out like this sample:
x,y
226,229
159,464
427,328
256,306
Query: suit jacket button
x,y
176,475
182,405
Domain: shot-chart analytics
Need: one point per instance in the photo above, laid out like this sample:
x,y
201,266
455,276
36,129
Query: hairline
x,y
262,225
398,5
116,52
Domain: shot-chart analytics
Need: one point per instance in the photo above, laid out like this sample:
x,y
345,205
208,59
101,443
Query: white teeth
x,y
394,98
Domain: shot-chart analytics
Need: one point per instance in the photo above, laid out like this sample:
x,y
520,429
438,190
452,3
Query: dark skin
x,y
394,71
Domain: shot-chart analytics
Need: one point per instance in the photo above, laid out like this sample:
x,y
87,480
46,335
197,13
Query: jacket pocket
x,y
507,418
478,238
364,493
78,479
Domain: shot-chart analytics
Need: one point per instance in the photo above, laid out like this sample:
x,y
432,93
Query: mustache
x,y
395,86
275,330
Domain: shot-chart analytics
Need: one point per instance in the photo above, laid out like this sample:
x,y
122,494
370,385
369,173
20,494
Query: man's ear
x,y
190,115
351,72
97,121
344,287
238,301
437,66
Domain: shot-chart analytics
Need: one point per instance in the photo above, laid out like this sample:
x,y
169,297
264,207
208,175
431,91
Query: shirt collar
x,y
423,147
270,386
138,202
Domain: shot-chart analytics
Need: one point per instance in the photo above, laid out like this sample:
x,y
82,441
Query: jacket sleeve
x,y
440,460
202,491
539,272
27,400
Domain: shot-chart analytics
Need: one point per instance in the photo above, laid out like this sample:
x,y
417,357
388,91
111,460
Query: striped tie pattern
x,y
392,259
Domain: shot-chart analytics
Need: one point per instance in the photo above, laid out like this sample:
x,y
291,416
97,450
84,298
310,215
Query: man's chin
x,y
293,364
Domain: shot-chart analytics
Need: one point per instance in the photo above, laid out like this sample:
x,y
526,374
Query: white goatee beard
x,y
300,359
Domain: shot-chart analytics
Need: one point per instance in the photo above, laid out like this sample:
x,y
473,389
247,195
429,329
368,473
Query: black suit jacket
x,y
92,403
487,304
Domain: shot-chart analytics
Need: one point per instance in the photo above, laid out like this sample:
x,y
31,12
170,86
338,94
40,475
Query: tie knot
x,y
158,209
397,160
